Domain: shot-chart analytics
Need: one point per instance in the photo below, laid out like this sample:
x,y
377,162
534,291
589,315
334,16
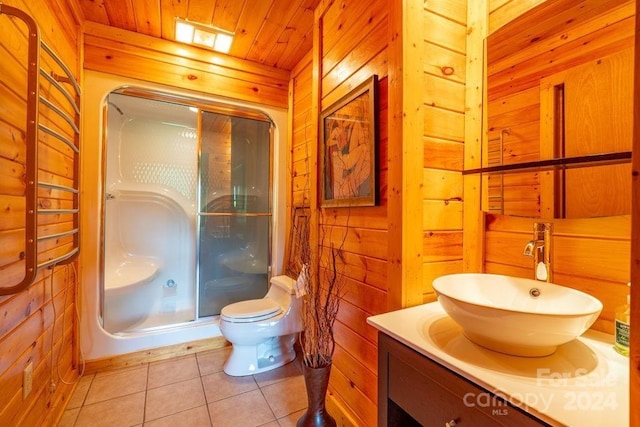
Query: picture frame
x,y
348,140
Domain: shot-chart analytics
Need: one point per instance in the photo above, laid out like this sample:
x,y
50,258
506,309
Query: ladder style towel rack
x,y
48,98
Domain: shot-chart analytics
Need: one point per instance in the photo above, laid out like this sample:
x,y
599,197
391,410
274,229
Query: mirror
x,y
560,88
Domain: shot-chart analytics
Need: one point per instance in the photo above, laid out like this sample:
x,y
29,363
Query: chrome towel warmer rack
x,y
67,241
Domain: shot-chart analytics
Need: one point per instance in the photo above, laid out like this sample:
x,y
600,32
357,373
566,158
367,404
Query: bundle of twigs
x,y
319,314
321,300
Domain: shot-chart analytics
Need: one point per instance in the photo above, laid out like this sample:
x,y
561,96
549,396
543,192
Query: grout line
x,y
84,398
198,374
275,418
206,404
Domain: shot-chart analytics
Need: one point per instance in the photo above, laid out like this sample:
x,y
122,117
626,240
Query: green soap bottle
x,y
623,314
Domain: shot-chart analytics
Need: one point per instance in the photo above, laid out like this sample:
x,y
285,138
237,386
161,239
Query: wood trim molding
x,y
306,60
153,355
289,178
634,358
405,154
338,412
76,11
475,123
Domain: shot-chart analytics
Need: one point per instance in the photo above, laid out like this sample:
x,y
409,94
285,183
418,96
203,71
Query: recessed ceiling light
x,y
203,35
184,32
223,43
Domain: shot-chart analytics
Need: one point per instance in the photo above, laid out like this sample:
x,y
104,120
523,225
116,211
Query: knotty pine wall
x,y
443,139
349,46
37,325
515,71
416,228
446,144
634,347
129,54
591,255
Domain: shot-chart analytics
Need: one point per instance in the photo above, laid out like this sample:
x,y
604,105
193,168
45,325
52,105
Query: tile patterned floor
x,y
188,391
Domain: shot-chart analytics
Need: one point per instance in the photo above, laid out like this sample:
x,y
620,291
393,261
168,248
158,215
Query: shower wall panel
x,y
149,214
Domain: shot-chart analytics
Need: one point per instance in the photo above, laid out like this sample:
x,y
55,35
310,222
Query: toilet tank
x,y
283,284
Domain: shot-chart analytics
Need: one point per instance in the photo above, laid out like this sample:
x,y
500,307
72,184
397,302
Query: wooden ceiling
x,y
277,33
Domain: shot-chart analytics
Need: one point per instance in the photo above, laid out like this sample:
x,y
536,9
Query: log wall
x,y
139,56
38,326
589,254
349,47
415,229
443,139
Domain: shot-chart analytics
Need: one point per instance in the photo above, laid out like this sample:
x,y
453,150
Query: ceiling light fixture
x,y
203,35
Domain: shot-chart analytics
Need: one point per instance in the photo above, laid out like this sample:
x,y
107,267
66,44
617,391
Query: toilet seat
x,y
252,310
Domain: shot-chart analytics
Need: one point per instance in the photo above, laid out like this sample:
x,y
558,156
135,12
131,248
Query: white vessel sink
x,y
504,314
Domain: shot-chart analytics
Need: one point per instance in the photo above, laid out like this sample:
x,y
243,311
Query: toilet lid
x,y
251,310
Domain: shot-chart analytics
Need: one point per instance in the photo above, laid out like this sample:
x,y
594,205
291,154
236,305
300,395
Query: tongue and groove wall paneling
x,y
354,46
444,30
37,325
129,54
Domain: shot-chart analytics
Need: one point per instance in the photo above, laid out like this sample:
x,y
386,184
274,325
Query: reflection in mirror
x,y
560,89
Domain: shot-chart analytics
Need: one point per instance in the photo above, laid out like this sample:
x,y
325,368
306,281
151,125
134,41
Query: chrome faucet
x,y
540,249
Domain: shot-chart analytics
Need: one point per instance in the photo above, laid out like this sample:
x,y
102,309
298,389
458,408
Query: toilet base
x,y
253,359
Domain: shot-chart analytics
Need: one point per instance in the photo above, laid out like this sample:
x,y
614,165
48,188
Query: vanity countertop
x,y
584,383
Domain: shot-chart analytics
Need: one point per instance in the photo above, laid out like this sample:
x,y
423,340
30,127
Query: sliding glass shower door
x,y
187,209
234,217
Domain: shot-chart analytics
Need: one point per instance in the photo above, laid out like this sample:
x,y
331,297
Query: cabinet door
x,y
435,396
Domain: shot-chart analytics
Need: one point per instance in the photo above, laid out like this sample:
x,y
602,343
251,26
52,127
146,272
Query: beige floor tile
x,y
121,383
177,396
292,419
172,371
286,397
123,411
246,410
289,370
196,417
114,371
174,398
213,361
69,417
80,393
220,385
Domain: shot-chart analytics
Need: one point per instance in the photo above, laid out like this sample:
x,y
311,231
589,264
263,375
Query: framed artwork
x,y
348,135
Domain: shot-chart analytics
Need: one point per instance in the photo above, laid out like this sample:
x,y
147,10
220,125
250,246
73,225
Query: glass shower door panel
x,y
235,211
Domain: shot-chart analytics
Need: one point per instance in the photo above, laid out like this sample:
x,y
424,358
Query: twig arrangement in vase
x,y
322,301
320,284
348,131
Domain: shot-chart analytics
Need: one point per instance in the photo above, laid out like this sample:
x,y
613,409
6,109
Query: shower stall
x,y
188,216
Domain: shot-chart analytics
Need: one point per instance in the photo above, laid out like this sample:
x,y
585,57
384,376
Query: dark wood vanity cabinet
x,y
413,390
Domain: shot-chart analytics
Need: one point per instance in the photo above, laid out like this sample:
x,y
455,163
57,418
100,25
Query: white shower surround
x,y
149,240
95,341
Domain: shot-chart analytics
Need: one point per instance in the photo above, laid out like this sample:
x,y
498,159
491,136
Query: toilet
x,y
262,331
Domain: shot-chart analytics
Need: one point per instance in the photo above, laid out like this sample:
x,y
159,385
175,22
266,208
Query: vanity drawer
x,y
434,396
